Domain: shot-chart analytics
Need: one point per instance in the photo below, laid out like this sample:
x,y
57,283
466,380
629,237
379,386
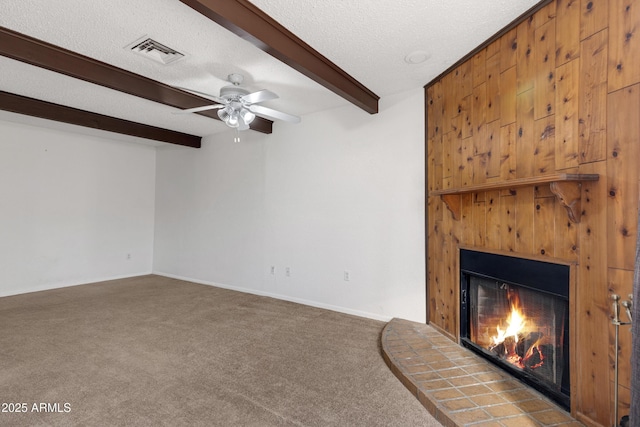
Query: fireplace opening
x,y
515,313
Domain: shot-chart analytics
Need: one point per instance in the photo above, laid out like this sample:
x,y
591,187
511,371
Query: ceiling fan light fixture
x,y
224,114
232,121
230,116
233,117
247,116
238,108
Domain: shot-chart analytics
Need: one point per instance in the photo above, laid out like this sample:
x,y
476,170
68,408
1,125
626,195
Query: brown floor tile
x,y
551,417
426,376
518,395
533,405
404,354
417,369
488,399
520,421
434,385
422,345
475,390
447,348
490,376
460,388
411,362
506,410
443,364
450,373
471,416
449,393
462,381
399,347
466,361
441,341
454,354
488,424
458,404
414,340
505,385
479,368
431,355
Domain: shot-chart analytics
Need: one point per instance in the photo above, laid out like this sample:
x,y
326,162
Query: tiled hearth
x,y
459,387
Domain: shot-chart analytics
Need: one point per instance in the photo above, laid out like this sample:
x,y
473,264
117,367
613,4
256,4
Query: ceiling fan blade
x,y
269,113
259,96
206,95
197,109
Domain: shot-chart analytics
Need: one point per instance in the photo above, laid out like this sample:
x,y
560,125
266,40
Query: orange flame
x,y
517,326
530,352
516,322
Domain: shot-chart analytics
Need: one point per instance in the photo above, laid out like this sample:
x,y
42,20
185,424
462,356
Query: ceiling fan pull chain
x,y
236,139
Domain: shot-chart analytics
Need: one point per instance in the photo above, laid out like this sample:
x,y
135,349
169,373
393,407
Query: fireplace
x,y
515,313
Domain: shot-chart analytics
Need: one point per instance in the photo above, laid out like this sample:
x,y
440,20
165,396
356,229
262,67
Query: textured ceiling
x,y
367,38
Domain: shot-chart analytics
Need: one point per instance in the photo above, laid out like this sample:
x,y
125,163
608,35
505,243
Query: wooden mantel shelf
x,y
565,186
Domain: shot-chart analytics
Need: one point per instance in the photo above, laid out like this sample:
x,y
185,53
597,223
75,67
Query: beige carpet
x,y
154,351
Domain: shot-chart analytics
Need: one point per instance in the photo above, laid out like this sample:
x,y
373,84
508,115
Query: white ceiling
x,y
368,39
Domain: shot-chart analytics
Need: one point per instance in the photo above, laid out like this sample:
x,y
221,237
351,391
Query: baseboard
x,y
280,297
74,283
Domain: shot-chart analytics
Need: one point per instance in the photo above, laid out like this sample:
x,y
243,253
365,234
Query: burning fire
x,y
516,322
506,343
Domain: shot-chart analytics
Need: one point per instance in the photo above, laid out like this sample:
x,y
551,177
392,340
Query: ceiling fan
x,y
238,108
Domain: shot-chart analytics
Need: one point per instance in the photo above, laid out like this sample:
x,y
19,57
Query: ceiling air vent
x,y
155,50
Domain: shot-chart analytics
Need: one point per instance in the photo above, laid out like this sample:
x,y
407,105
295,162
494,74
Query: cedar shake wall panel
x,y
508,96
508,50
568,31
592,110
545,59
512,111
595,17
544,146
493,88
567,91
623,125
624,43
524,134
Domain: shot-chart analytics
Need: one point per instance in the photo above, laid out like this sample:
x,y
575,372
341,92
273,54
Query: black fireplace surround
x,y
515,313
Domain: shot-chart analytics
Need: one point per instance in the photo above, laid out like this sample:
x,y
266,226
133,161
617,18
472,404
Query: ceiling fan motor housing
x,y
233,92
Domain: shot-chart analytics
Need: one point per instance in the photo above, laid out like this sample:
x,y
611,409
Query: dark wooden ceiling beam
x,y
60,113
249,22
36,52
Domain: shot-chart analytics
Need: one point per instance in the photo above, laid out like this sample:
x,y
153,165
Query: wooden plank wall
x,y
560,92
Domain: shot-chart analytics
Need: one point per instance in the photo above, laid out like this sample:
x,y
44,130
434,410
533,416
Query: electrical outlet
x,y
287,271
128,256
273,270
347,276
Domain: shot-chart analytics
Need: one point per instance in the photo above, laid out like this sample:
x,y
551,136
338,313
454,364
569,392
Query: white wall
x,y
209,211
343,190
72,207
